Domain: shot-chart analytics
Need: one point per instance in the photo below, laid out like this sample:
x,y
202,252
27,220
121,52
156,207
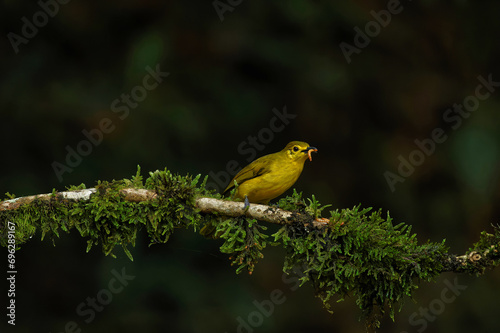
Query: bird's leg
x,y
247,204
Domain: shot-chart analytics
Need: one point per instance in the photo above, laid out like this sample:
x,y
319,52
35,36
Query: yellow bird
x,y
270,176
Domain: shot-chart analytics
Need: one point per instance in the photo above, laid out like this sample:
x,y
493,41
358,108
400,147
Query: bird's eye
x,y
295,148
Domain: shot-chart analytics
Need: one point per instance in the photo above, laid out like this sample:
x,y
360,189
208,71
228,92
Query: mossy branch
x,y
358,253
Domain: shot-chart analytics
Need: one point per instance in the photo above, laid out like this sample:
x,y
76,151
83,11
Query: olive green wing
x,y
255,169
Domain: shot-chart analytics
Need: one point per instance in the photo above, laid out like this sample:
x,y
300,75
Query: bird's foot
x,y
247,204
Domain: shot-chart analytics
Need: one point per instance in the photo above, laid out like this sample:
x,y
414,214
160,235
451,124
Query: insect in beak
x,y
309,150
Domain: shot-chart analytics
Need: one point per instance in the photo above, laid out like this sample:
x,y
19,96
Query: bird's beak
x,y
309,150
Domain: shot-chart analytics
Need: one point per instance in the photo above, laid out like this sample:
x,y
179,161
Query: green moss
x,y
244,240
482,255
360,253
293,202
489,247
76,188
109,220
363,255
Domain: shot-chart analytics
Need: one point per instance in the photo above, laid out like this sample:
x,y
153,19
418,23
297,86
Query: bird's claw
x,y
246,205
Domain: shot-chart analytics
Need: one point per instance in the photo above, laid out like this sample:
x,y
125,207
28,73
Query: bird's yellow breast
x,y
270,176
282,174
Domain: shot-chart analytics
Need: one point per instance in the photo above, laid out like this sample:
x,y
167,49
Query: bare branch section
x,y
130,194
69,195
235,209
256,211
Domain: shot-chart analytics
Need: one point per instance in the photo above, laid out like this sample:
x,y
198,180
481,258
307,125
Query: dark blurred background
x,y
229,68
